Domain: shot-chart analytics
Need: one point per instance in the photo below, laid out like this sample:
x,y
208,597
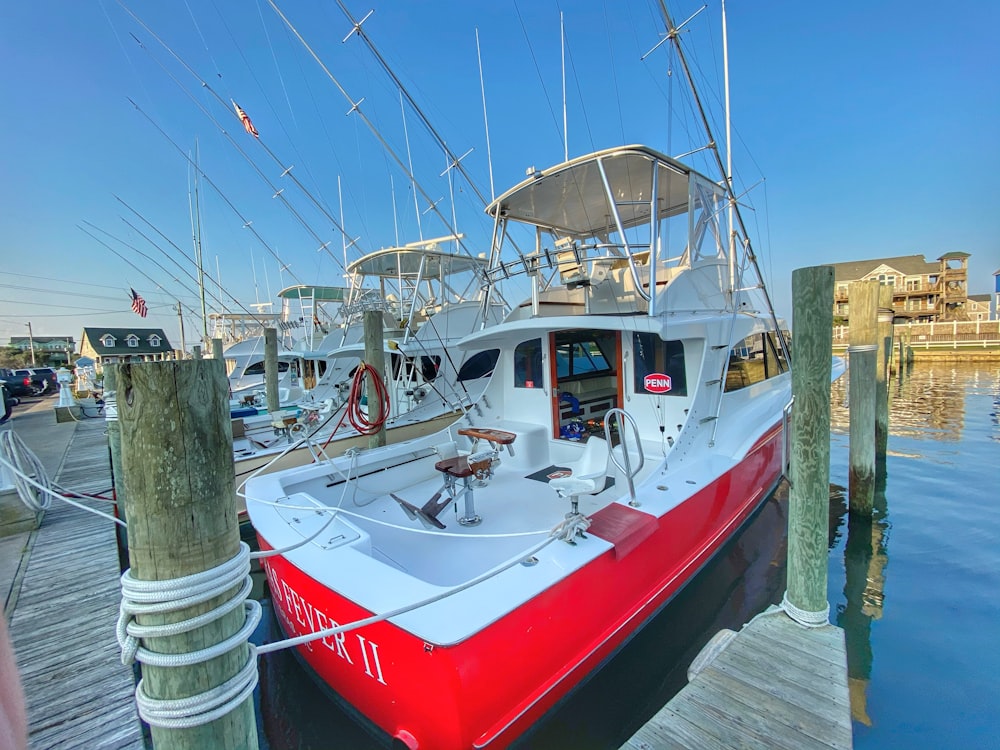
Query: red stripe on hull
x,y
490,688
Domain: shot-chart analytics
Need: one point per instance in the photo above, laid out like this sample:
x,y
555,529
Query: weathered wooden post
x,y
809,495
884,341
217,351
271,369
177,457
862,396
114,435
374,356
196,351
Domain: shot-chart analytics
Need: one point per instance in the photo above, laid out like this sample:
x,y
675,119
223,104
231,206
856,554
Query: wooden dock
x,y
63,612
776,684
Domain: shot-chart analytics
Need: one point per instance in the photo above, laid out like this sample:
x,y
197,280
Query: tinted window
x,y
753,360
655,357
479,365
584,352
528,364
257,368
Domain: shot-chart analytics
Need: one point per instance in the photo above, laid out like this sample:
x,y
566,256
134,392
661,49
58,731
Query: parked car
x,y
9,401
17,385
46,375
38,380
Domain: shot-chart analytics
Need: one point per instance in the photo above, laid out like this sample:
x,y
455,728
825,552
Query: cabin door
x,y
586,374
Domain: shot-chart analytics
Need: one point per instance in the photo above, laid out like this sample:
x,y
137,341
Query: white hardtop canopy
x,y
571,198
425,261
314,293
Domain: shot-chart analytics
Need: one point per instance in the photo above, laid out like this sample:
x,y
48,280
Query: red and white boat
x,y
633,422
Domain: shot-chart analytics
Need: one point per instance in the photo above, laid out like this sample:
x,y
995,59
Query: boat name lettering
x,y
657,382
310,620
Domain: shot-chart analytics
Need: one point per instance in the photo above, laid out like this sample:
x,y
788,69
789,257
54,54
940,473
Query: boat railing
x,y
569,262
620,417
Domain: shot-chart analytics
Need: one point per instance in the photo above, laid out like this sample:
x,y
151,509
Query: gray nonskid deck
x,y
79,694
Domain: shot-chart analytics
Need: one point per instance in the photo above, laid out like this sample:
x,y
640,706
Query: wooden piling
x,y
374,356
114,435
196,352
217,352
864,367
884,341
809,496
177,457
271,369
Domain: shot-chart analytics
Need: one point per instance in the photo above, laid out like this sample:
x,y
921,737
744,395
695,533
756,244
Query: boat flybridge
x,y
308,314
631,425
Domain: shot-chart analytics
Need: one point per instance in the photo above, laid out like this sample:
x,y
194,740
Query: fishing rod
x,y
151,280
355,107
286,171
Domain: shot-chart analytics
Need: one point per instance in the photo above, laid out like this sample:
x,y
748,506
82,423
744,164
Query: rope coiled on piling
x,y
176,594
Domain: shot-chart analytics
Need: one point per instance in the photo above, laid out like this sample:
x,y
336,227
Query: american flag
x,y
245,119
138,304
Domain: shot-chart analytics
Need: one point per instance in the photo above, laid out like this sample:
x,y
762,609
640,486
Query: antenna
x,y
729,157
562,47
486,121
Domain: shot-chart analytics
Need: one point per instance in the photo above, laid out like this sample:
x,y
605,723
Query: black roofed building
x,y
921,291
116,345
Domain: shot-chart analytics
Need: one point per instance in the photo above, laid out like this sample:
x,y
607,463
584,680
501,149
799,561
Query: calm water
x,y
921,633
918,590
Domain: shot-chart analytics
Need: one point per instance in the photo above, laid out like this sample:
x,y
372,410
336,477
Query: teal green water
x,y
916,589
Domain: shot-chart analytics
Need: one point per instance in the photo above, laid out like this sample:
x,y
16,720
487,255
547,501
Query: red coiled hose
x,y
372,422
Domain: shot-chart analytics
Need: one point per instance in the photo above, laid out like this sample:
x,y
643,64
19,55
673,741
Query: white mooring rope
x,y
30,479
175,594
805,617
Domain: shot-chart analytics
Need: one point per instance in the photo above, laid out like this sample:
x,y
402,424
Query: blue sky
x,y
872,126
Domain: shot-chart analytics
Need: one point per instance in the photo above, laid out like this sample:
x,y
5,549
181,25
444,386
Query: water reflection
x,y
922,660
866,556
927,402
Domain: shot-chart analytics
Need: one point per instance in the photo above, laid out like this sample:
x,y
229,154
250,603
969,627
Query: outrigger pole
x,y
673,34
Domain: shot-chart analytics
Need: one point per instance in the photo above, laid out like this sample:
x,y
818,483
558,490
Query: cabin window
x,y
755,359
479,365
154,341
659,365
108,340
132,340
584,353
528,364
257,368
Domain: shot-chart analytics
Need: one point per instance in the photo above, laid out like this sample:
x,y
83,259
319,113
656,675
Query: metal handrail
x,y
624,416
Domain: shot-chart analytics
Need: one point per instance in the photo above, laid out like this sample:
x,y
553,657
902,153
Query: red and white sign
x,y
657,382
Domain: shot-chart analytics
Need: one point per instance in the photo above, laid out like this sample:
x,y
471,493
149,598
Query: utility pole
x,y
31,344
180,320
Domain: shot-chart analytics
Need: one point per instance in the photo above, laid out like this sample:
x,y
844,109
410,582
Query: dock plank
x,y
78,693
775,685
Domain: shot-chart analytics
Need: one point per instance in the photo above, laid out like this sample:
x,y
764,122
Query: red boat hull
x,y
488,689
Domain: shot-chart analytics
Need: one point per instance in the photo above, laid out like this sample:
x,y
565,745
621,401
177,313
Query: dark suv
x,y
37,380
16,385
45,375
